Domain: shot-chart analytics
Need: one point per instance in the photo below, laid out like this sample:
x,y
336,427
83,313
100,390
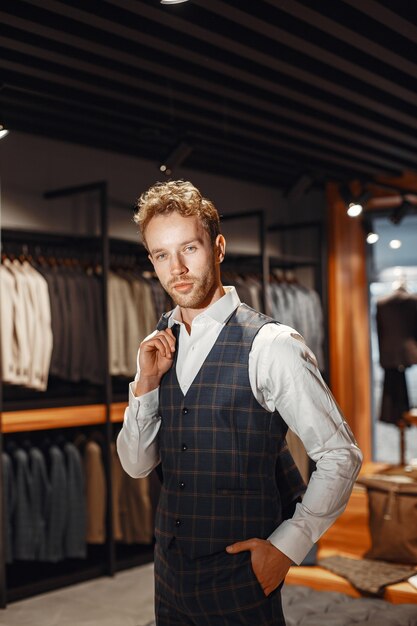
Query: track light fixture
x,y
354,209
3,131
395,244
173,1
353,203
176,157
300,187
401,211
372,237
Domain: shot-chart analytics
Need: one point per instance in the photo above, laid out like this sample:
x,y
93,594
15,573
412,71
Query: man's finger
x,y
240,546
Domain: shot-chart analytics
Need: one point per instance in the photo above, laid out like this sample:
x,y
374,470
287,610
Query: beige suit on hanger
x,y
8,340
132,507
22,324
96,493
41,349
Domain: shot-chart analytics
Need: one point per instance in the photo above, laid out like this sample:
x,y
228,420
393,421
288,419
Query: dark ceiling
x,y
262,90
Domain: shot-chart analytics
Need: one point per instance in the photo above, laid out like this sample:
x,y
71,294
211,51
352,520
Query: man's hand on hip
x,y
269,564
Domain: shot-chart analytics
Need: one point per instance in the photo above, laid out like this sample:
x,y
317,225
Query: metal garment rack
x,y
266,262
320,269
263,263
101,188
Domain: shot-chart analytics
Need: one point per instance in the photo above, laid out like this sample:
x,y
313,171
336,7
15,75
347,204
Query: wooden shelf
x,y
117,411
62,417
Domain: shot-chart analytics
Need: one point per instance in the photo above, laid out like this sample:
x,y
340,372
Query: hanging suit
x,y
41,501
75,545
9,502
58,511
397,336
23,539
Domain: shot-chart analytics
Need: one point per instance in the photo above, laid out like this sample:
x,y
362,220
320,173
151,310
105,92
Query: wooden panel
x,y
349,341
61,417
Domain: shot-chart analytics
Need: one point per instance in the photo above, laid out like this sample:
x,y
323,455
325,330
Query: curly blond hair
x,y
176,196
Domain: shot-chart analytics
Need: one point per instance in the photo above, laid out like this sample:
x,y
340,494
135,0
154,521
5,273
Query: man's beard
x,y
202,288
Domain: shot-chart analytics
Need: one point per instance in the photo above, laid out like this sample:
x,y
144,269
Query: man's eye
x,y
160,257
190,248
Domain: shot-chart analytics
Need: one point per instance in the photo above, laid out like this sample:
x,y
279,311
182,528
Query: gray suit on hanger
x,y
9,501
23,544
75,545
58,511
41,501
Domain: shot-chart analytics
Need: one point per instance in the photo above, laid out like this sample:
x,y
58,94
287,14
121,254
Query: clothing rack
x,y
103,415
318,263
262,259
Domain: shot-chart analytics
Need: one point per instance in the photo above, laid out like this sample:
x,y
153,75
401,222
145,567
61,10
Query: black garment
x,y
9,502
397,330
397,336
394,396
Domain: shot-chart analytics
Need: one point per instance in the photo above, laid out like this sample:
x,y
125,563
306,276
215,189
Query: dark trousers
x,y
215,590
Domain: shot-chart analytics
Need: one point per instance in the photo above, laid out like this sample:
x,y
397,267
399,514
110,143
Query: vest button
x,y
177,522
184,447
181,485
184,411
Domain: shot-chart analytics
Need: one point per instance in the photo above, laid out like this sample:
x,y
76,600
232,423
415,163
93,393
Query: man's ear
x,y
220,248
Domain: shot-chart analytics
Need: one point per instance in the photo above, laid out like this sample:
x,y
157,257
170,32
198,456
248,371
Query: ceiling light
x,y
372,238
395,244
354,209
173,1
3,131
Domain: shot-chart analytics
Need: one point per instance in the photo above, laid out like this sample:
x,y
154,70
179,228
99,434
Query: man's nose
x,y
177,265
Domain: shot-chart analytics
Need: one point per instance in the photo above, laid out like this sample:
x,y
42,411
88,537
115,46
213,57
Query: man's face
x,y
184,259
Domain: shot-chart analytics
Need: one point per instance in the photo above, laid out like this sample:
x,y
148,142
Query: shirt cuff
x,y
145,406
291,541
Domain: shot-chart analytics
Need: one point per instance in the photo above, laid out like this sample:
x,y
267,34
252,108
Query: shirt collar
x,y
219,311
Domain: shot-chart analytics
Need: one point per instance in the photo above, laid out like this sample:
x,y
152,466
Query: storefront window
x,y
393,272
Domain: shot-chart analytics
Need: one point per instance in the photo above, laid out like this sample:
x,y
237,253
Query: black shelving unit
x,y
15,582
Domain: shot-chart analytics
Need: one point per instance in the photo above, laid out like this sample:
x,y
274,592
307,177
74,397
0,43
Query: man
x,y
217,386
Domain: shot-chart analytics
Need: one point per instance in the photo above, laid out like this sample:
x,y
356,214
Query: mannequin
x,y
397,336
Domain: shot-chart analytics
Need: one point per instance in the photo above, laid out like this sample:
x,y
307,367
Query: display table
x,y
349,536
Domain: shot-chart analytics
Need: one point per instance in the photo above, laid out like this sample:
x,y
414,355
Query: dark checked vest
x,y
227,472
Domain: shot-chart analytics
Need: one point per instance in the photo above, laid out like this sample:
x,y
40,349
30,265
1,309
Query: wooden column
x,y
349,340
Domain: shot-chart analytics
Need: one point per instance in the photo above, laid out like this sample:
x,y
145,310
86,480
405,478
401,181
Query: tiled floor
x,y
125,600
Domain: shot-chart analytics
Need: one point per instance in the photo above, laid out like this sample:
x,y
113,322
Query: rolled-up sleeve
x,y
288,380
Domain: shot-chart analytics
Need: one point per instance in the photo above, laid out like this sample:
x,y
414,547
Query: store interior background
x,y
296,179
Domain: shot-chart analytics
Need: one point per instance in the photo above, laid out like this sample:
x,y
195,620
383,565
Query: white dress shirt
x,y
284,377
